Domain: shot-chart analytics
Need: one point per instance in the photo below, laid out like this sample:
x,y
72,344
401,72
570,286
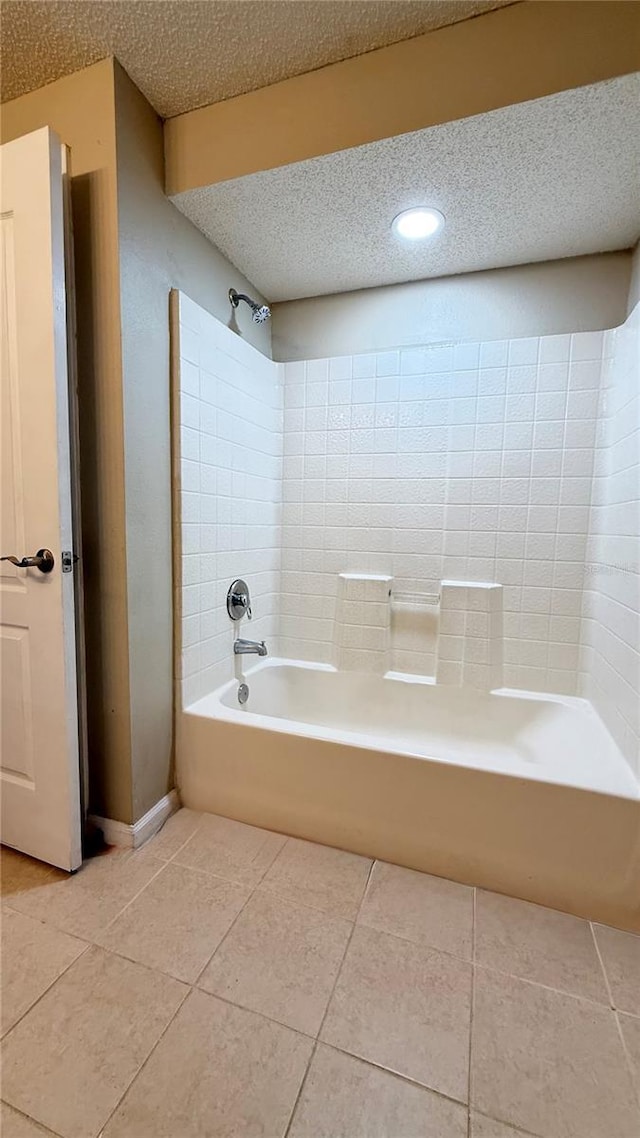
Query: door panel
x,y
39,764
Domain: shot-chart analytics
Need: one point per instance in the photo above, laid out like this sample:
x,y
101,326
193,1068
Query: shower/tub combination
x,y
430,545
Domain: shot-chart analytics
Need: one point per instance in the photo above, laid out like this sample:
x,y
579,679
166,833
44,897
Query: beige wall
x,y
521,52
159,250
80,108
131,247
579,294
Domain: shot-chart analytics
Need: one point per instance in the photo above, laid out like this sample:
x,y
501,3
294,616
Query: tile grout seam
x,y
164,862
252,891
142,1066
471,1008
602,966
329,1000
629,1063
46,1129
87,945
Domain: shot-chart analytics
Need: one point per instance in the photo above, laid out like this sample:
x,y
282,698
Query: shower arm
x,y
260,312
236,297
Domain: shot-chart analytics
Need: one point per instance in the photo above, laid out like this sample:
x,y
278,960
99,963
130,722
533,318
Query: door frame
x,y
75,479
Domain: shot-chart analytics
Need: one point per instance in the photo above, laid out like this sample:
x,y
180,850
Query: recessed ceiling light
x,y
416,224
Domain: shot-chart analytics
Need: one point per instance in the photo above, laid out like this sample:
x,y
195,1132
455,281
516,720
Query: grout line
x,y
394,1074
87,946
510,1125
146,1060
631,1066
348,944
252,891
272,891
196,982
108,925
471,1009
187,840
545,987
604,971
328,1004
266,890
424,1087
252,1011
124,855
23,1114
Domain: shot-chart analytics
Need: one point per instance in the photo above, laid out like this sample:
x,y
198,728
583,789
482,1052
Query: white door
x,y
39,750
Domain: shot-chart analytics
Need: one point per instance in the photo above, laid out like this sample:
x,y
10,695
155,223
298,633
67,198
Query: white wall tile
x,y
491,445
231,490
433,461
610,658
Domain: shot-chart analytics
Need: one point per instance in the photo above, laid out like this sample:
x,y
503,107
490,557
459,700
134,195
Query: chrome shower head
x,y
260,312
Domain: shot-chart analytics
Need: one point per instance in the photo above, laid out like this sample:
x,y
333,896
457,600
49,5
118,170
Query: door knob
x,y
42,560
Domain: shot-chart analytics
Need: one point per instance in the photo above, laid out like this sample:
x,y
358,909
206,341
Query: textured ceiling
x,y
555,177
187,53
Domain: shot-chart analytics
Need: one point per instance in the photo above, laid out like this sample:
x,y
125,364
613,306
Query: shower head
x,y
260,312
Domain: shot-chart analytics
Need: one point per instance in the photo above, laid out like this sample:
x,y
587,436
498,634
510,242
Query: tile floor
x,y
228,981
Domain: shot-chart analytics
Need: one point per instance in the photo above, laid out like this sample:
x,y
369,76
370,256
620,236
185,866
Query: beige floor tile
x,y
483,1127
231,849
19,874
548,1062
33,956
176,831
404,1007
280,959
344,1097
177,922
15,1125
71,1058
630,1026
621,958
218,1071
424,909
538,944
319,876
83,904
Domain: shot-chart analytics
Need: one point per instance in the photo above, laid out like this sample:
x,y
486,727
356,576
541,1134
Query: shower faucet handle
x,y
238,600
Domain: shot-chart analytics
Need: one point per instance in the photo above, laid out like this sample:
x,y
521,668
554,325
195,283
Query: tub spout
x,y
249,647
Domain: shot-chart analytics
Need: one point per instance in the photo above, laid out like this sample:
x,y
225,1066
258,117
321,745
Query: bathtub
x,y
518,792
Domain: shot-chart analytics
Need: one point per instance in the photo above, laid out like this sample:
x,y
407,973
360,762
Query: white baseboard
x,y
132,837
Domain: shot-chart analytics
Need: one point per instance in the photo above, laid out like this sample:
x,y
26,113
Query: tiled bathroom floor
x,y
228,981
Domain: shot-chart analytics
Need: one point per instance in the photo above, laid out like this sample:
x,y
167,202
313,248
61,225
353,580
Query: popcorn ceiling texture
x,y
551,178
184,54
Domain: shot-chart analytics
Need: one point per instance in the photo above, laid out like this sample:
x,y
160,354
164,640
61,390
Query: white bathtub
x,y
514,791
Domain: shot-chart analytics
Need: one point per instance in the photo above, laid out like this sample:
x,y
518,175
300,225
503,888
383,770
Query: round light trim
x,y
417,224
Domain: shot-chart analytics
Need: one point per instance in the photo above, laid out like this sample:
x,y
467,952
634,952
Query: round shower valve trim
x,y
238,600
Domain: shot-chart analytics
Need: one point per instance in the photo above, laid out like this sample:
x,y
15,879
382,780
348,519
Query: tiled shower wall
x,y
611,659
466,462
470,461
230,469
